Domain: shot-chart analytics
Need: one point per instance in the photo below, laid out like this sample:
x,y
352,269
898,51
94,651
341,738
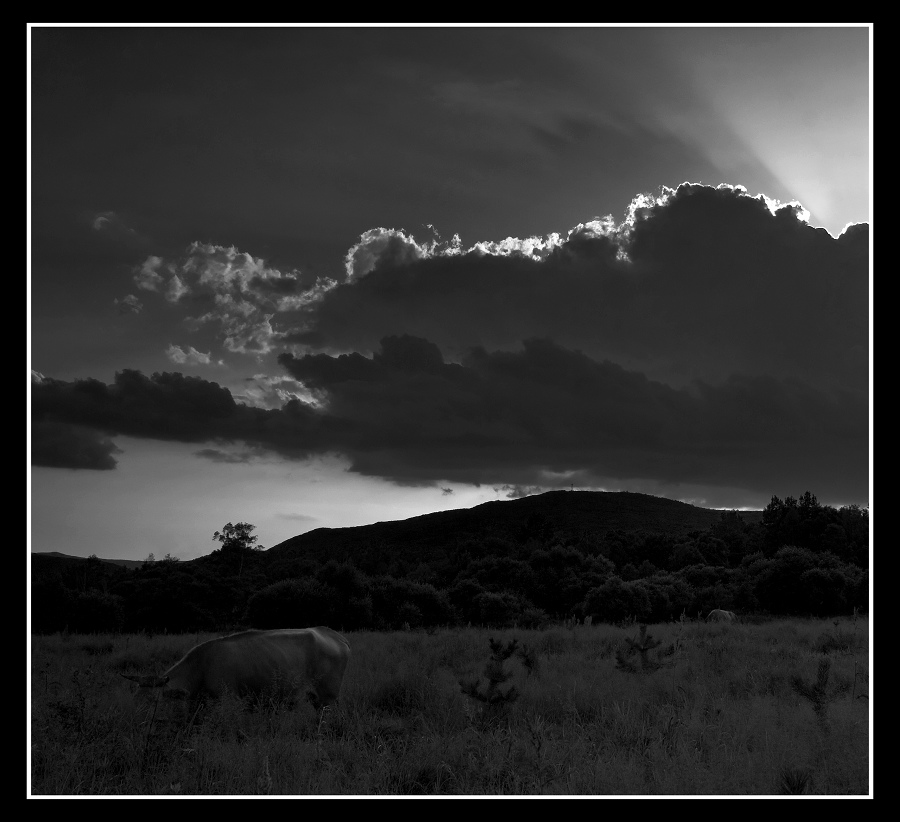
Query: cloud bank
x,y
541,416
708,340
698,283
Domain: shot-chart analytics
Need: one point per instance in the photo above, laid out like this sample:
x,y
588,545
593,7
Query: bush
x,y
392,597
497,609
291,603
95,612
617,600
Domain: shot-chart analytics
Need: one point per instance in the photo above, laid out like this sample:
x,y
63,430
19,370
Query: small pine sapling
x,y
529,658
493,697
634,657
818,692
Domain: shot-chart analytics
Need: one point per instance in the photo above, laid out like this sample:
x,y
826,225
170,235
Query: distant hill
x,y
125,563
556,513
430,537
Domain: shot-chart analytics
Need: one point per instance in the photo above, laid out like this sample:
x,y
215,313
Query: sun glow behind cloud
x,y
810,135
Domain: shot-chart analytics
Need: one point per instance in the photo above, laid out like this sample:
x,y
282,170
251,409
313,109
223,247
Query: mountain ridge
x,y
125,563
563,514
428,536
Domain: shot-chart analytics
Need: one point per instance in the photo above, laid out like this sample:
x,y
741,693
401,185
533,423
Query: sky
x,y
323,276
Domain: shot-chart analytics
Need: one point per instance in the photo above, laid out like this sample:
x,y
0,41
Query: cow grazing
x,y
290,663
718,615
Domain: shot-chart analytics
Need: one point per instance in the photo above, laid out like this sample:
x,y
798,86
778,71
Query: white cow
x,y
289,662
718,615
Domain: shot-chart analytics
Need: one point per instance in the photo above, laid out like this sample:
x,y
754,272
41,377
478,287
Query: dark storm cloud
x,y
60,445
542,415
698,283
164,406
171,406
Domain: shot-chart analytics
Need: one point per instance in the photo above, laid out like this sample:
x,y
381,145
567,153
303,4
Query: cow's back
x,y
320,658
290,662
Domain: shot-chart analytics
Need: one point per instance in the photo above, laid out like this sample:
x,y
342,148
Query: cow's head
x,y
167,703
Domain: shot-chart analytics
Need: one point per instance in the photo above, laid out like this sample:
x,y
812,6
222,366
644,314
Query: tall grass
x,y
720,718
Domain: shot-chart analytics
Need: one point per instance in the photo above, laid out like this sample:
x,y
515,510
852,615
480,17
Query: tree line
x,y
802,558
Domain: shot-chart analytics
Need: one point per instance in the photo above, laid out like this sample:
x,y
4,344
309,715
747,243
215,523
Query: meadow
x,y
779,707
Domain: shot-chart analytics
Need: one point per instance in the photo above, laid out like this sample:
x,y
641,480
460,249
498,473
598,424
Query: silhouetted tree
x,y
855,522
732,530
237,543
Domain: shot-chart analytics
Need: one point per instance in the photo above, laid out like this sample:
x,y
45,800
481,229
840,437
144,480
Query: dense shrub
x,y
291,603
392,597
616,600
96,612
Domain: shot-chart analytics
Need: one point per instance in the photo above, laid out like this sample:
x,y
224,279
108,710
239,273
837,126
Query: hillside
x,y
125,563
436,536
566,514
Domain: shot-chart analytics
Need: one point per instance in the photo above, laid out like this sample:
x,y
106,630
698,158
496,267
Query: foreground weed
x,y
634,657
546,768
835,642
529,658
794,780
859,674
69,711
818,692
493,698
405,727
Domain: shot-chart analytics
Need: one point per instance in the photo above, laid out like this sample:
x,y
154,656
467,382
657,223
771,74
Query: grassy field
x,y
714,710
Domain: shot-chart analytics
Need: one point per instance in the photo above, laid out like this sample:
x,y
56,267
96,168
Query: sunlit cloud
x,y
129,304
147,275
110,222
240,292
629,290
188,356
102,219
274,391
